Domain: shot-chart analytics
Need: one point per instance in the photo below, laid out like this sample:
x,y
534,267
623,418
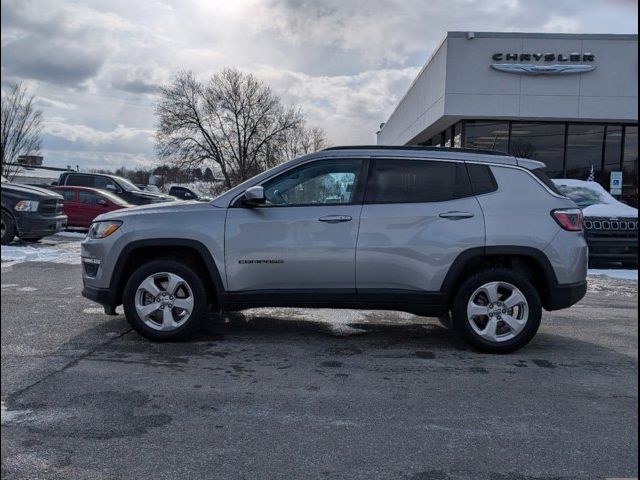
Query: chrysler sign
x,y
543,63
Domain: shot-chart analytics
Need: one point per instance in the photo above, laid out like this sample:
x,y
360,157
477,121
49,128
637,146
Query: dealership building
x,y
568,100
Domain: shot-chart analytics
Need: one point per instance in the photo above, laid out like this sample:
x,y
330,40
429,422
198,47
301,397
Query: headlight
x,y
26,206
103,229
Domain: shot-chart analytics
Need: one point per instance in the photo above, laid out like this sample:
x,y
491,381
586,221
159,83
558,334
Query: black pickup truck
x,y
114,184
30,212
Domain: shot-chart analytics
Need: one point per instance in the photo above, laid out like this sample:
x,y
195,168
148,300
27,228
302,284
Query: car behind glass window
x,y
417,181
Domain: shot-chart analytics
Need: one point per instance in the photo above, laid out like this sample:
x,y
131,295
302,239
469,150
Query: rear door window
x,y
417,181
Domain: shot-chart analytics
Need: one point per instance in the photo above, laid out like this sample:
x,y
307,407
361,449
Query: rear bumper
x,y
564,296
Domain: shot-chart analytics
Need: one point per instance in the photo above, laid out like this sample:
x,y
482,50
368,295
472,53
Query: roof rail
x,y
420,149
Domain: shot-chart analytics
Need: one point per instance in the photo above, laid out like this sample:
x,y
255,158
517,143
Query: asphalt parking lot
x,y
285,394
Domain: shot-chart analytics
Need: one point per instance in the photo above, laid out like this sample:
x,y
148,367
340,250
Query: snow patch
x,y
93,310
64,252
27,289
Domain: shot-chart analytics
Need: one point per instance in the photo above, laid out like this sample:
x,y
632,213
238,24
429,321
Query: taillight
x,y
569,218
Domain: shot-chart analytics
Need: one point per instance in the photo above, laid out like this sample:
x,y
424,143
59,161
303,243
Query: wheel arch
x,y
528,260
140,252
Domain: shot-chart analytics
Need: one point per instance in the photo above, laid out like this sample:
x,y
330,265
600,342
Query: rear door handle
x,y
456,215
335,218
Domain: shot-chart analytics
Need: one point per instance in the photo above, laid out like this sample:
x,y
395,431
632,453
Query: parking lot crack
x,y
12,396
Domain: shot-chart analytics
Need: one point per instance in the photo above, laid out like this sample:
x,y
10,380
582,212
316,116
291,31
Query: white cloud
x,y
95,65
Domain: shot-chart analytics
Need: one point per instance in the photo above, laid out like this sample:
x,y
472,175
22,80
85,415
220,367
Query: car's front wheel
x,y
164,300
497,310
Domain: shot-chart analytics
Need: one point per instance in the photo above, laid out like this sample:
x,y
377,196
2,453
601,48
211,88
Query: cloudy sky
x,y
95,65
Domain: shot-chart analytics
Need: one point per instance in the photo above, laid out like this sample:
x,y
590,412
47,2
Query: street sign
x,y
615,187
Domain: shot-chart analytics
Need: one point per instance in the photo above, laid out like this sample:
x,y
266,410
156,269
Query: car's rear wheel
x,y
7,229
497,311
165,300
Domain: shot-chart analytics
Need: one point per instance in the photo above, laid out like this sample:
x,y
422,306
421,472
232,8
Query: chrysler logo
x,y
543,57
542,69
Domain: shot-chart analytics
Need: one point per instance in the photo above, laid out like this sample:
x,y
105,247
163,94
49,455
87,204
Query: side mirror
x,y
254,196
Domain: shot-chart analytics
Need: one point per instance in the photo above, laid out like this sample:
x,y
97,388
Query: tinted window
x,y
88,197
417,181
544,178
80,180
317,183
482,180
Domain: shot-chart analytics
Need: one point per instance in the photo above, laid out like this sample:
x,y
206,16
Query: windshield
x,y
583,196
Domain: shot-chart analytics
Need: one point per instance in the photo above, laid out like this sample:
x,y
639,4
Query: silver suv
x,y
481,240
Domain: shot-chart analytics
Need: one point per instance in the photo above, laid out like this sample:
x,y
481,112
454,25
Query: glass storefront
x,y
630,165
539,141
585,144
490,135
569,149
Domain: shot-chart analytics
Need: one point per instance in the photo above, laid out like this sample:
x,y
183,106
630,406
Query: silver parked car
x,y
482,240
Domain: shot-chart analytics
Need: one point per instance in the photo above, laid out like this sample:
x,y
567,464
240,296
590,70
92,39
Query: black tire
x,y
463,296
8,229
184,270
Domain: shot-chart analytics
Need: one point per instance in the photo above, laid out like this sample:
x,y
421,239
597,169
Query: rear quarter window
x,y
482,179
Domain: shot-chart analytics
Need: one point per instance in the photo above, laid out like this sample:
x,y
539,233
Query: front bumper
x,y
36,225
564,296
103,296
612,240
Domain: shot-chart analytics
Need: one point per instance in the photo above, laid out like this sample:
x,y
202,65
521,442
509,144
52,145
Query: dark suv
x,y
118,185
30,212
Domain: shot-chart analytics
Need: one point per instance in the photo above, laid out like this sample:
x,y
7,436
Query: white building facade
x,y
569,100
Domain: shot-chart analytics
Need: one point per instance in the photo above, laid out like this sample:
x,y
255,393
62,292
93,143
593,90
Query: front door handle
x,y
335,218
456,215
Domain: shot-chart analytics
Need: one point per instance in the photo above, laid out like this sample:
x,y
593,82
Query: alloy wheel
x,y
497,311
164,301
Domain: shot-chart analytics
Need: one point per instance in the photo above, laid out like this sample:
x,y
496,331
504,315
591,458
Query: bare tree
x,y
20,129
233,121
